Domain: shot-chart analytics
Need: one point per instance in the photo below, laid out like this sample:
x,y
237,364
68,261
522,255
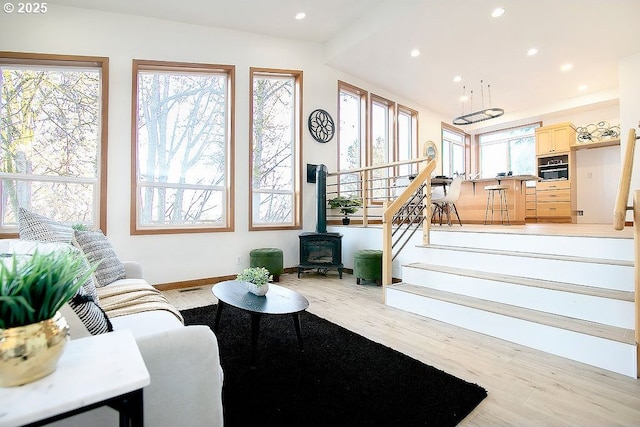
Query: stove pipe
x,y
321,199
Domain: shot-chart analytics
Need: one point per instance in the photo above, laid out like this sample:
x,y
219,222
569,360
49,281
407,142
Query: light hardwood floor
x,y
525,387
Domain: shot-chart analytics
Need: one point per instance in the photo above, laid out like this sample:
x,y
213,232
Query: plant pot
x,y
30,352
346,220
257,290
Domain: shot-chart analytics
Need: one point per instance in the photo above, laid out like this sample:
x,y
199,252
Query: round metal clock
x,y
321,126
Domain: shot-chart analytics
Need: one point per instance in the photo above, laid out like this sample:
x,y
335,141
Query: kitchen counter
x,y
473,198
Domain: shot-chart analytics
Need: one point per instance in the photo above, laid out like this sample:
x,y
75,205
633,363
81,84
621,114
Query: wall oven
x,y
554,171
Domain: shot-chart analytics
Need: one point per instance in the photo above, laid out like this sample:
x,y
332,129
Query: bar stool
x,y
502,195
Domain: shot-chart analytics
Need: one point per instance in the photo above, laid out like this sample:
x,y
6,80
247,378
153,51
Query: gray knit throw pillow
x,y
32,226
97,249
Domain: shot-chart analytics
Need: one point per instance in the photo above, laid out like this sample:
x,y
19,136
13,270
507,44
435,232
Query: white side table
x,y
95,371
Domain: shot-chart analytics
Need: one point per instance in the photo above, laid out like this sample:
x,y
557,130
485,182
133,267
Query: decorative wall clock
x,y
321,126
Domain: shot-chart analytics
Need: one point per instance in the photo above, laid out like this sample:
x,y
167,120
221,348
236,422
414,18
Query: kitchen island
x,y
473,198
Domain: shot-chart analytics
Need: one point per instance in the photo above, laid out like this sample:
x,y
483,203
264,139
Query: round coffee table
x,y
277,301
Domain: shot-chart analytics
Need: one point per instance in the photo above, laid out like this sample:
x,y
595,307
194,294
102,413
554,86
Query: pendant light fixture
x,y
481,115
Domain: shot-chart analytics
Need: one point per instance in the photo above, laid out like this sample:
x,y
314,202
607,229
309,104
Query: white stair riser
x,y
585,307
610,355
608,276
587,247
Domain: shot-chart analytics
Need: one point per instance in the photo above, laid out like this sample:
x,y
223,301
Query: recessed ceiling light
x,y
415,52
566,67
457,79
582,88
498,12
532,51
464,98
300,15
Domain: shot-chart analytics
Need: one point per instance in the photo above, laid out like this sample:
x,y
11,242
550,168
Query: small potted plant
x,y
347,205
257,280
33,333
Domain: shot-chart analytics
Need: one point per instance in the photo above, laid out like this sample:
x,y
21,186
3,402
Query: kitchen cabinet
x,y
555,161
554,201
530,212
554,139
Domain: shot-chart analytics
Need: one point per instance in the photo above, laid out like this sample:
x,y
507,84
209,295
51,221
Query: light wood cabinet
x,y
530,212
553,201
554,139
555,161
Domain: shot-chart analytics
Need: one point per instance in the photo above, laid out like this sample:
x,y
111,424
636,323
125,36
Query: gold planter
x,y
30,352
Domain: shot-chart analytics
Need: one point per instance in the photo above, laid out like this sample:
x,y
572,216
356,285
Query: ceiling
x,y
372,40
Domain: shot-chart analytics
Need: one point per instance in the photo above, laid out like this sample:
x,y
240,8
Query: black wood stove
x,y
321,250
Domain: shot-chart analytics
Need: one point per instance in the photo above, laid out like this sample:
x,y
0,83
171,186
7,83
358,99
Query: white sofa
x,y
183,361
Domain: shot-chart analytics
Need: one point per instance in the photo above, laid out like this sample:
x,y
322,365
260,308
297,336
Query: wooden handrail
x,y
622,198
391,209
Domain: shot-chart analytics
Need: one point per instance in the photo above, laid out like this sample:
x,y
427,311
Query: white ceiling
x,y
371,39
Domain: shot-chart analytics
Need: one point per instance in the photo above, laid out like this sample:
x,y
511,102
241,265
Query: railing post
x,y
387,255
426,212
364,175
636,241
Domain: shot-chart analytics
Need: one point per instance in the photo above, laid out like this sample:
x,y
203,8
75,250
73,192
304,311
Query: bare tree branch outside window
x,y
182,148
50,122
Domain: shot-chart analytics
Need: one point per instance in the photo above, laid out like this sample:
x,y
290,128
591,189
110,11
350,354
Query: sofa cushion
x,y
98,250
32,226
147,322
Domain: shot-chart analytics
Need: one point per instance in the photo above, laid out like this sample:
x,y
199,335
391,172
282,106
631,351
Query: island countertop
x,y
507,177
472,203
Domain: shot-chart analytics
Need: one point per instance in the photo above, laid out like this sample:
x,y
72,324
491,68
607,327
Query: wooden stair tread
x,y
532,255
536,283
625,336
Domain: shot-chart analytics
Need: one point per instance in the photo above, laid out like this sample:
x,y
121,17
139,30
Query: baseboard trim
x,y
169,286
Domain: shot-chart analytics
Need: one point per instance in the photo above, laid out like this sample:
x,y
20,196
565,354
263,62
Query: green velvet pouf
x,y
367,264
269,258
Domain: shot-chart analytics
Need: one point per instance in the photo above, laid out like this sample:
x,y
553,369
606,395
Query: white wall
x,y
629,82
181,257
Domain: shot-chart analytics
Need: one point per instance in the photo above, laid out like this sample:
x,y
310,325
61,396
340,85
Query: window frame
x,y
297,75
413,145
363,128
391,146
182,67
479,145
102,64
465,144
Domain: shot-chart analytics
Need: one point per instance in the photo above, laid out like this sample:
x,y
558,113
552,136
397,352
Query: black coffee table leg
x,y
255,332
296,322
216,321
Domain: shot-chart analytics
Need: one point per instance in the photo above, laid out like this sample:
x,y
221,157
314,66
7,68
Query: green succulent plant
x,y
259,276
34,287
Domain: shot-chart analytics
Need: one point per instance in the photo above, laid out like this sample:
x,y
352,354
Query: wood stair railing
x,y
619,219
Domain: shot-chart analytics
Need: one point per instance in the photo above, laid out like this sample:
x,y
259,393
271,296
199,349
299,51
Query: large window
x,y
407,139
182,147
352,108
508,150
275,149
453,153
373,131
381,144
53,122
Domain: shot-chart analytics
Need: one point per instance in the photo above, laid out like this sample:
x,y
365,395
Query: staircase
x,y
569,295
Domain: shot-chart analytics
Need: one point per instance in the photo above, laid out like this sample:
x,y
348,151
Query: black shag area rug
x,y
340,379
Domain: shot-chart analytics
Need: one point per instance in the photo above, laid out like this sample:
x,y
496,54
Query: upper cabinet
x,y
554,139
